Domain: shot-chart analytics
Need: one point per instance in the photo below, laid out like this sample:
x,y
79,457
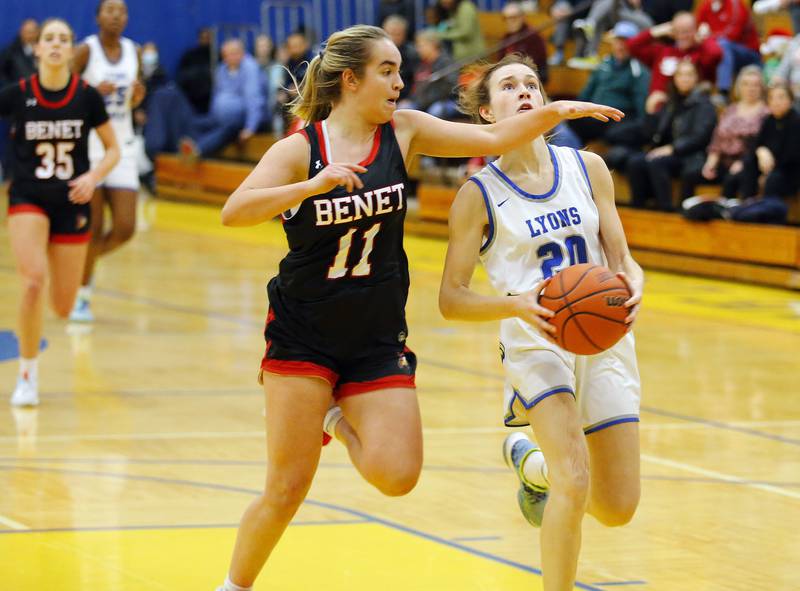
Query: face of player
x,y
512,89
54,48
779,102
113,17
379,88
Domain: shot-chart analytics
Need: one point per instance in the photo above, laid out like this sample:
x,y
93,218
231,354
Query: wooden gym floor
x,y
148,444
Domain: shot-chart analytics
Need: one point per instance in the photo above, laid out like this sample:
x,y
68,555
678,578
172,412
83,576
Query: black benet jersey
x,y
340,241
50,134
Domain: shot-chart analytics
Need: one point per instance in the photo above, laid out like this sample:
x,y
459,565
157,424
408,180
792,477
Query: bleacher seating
x,y
747,252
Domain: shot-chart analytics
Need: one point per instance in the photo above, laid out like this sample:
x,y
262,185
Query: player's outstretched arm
x,y
436,137
457,301
280,182
612,235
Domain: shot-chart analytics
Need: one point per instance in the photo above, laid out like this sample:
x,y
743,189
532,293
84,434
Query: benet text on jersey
x,y
342,210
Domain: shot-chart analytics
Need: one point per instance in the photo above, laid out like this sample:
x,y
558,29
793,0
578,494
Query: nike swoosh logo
x,y
501,203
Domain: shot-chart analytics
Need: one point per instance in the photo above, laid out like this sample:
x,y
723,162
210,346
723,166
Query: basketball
x,y
589,305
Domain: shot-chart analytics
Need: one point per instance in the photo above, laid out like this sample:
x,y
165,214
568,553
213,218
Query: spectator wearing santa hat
x,y
788,71
772,51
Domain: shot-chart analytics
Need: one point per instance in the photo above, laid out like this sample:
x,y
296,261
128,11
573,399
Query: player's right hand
x,y
338,174
105,87
529,310
580,109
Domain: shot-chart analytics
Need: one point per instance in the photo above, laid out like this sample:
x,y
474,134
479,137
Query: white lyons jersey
x,y
532,237
122,73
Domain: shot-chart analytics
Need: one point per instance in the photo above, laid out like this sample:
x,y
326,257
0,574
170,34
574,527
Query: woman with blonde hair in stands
x,y
49,215
336,359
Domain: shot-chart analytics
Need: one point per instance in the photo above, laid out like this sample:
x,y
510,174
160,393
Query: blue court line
x,y
259,324
721,425
167,526
620,583
355,513
348,466
477,539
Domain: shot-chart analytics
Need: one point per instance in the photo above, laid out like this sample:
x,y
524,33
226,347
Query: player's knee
x,y
33,283
399,484
571,480
123,231
287,492
618,511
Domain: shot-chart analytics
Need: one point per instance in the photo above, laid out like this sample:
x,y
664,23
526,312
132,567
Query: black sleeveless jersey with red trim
x,y
50,134
343,242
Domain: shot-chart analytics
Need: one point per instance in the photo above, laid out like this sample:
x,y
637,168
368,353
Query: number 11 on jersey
x,y
362,269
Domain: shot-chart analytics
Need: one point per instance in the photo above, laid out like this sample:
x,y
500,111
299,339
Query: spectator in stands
x,y
402,8
788,72
194,72
271,74
520,38
563,11
298,56
435,79
603,15
397,28
461,28
663,11
734,135
663,57
236,109
731,23
17,60
679,135
620,81
777,158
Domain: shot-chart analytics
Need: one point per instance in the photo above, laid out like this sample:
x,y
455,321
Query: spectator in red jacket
x,y
520,38
730,22
662,57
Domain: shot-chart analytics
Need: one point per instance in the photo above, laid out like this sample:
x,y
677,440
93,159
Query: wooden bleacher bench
x,y
755,253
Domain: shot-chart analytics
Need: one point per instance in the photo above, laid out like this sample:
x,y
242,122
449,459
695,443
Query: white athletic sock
x,y
29,369
229,586
85,292
534,468
332,418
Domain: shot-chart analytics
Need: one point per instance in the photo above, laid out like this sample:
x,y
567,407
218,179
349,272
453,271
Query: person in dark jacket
x,y
679,134
17,60
433,90
777,157
194,72
397,28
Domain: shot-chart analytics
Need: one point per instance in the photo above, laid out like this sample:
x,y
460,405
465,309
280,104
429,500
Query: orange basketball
x,y
589,305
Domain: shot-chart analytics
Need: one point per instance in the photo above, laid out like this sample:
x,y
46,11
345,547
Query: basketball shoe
x,y
81,311
531,498
26,393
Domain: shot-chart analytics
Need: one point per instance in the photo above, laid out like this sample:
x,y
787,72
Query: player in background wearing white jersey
x,y
534,211
111,63
48,214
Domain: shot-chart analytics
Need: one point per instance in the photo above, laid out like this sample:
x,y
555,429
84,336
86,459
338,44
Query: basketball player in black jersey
x,y
336,326
51,114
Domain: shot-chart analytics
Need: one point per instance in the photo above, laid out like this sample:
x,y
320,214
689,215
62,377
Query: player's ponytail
x,y
321,87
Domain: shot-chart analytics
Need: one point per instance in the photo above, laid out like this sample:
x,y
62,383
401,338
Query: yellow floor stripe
x,y
331,557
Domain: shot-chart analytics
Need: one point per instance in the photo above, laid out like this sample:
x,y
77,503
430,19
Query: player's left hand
x,y
82,188
138,93
635,301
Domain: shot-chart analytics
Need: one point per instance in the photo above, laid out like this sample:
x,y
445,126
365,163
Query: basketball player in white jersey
x,y
531,213
111,63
